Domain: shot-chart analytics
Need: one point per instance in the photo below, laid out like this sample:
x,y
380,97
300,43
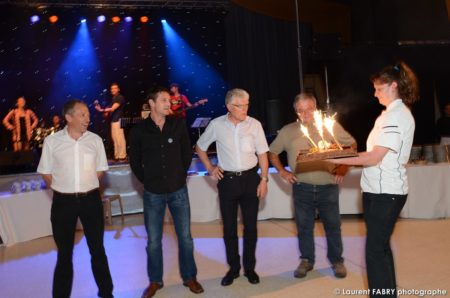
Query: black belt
x,y
240,173
75,194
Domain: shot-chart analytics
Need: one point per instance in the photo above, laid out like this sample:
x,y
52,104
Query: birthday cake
x,y
315,154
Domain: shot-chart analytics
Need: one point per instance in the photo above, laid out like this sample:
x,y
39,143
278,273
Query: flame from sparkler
x,y
318,120
329,124
321,120
306,134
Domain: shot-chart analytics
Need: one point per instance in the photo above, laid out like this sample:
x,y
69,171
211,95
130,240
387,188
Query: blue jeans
x,y
381,212
154,210
325,198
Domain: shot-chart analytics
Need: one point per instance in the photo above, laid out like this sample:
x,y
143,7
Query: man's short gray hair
x,y
236,92
304,96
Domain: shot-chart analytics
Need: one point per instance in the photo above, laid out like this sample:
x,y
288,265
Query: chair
x,y
107,213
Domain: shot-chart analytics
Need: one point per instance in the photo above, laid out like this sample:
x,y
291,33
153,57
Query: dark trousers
x,y
240,191
380,215
64,215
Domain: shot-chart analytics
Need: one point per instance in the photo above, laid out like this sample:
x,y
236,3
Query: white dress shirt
x,y
393,129
72,163
236,144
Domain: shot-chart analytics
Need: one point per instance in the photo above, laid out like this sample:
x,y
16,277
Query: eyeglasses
x,y
301,112
240,106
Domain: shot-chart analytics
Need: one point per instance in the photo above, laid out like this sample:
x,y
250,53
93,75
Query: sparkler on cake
x,y
323,149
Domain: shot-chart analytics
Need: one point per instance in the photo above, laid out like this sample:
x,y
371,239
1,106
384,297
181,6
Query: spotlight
x,y
144,19
101,19
34,19
53,19
128,19
163,21
115,19
83,21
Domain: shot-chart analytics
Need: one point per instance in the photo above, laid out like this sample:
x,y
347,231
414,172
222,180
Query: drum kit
x,y
39,134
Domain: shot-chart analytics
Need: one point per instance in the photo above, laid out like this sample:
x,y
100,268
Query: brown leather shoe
x,y
194,286
151,289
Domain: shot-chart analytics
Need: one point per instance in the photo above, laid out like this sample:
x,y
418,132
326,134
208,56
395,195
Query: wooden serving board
x,y
328,154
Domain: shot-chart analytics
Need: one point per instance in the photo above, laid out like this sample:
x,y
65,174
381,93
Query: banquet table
x,y
26,216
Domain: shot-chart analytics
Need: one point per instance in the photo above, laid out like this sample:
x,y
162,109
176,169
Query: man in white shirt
x,y
72,162
241,146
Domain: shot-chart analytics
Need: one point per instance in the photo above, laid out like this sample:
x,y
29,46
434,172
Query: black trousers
x,y
240,191
64,215
380,215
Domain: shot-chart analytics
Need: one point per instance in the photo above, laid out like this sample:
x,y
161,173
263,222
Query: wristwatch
x,y
264,178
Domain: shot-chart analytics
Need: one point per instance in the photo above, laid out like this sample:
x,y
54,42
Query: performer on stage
x,y
178,101
56,124
116,111
20,121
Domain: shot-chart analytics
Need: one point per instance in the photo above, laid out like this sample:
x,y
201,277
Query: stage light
x,y
53,19
83,21
144,19
128,19
115,19
101,19
34,19
163,21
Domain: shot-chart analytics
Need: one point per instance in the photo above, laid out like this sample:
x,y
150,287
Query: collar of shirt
x,y
67,136
229,122
393,104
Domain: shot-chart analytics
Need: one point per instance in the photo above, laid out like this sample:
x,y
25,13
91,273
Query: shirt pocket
x,y
247,144
88,161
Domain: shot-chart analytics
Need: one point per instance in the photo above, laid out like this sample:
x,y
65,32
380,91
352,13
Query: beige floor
x,y
421,247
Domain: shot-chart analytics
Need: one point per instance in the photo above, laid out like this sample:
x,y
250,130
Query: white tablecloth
x,y
26,216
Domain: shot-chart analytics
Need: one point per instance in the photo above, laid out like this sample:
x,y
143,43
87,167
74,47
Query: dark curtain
x,y
262,59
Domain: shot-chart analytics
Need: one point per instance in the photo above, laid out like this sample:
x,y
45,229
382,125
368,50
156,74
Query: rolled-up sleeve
x,y
102,162
45,163
208,137
260,140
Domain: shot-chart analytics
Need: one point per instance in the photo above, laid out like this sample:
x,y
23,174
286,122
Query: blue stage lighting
x,y
163,21
128,19
101,18
83,21
34,18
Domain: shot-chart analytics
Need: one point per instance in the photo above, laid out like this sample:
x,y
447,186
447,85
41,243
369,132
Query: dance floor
x,y
420,246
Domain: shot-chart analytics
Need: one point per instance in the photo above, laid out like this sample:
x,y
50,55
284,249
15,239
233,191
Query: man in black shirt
x,y
160,155
116,111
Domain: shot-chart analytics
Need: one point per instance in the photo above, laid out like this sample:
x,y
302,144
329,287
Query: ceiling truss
x,y
125,4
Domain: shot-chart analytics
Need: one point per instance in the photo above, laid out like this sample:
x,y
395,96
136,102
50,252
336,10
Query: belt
x,y
240,173
75,194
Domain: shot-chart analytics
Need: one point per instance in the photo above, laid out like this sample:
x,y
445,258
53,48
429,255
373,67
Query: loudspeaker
x,y
326,46
16,162
9,158
273,117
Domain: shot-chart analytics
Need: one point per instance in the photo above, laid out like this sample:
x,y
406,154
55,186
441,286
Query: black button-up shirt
x,y
160,159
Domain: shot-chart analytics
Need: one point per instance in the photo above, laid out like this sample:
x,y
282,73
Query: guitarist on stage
x,y
116,112
178,101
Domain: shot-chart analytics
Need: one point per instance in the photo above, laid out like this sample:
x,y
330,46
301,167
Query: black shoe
x,y
252,277
229,278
